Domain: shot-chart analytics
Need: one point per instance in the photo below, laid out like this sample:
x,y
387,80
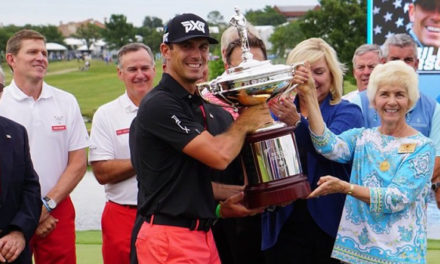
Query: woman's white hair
x,y
394,73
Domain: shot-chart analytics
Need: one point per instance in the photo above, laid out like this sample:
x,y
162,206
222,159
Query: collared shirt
x,y
350,95
109,140
414,36
54,125
171,182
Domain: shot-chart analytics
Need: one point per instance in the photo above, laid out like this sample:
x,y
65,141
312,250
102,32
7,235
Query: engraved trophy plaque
x,y
270,157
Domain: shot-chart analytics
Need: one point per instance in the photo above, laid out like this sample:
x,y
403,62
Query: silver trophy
x,y
252,82
271,163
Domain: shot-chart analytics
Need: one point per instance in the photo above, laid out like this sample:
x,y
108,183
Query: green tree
x,y
342,23
151,37
152,22
5,33
89,32
215,18
118,31
267,16
285,37
149,33
216,66
51,32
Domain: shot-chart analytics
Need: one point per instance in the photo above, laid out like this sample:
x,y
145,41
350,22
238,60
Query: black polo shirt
x,y
171,182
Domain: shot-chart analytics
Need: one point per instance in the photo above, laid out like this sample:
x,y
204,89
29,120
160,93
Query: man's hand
x,y
253,117
11,246
44,214
233,207
224,191
46,226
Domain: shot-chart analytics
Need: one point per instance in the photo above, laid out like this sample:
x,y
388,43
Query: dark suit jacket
x,y
20,196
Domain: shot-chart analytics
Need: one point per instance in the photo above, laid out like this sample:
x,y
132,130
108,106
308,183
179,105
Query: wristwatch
x,y
49,203
435,186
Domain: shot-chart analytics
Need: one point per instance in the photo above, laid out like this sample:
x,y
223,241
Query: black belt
x,y
192,224
124,205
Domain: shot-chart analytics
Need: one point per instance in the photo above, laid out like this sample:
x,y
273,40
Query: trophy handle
x,y
284,91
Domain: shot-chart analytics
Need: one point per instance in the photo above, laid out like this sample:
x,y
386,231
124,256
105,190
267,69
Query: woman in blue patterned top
x,y
384,216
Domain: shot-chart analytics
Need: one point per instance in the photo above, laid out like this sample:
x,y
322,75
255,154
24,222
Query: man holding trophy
x,y
178,142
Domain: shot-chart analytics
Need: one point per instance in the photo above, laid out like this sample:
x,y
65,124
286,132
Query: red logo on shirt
x,y
58,128
122,131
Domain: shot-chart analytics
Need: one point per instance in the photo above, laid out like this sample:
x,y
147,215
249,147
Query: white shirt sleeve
x,y
356,99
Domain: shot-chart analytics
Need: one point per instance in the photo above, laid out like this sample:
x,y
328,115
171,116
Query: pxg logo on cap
x,y
187,26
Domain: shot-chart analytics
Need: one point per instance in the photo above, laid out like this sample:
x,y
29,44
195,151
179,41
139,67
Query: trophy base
x,y
277,192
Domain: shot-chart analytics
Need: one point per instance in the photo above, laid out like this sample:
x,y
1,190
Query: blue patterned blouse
x,y
392,228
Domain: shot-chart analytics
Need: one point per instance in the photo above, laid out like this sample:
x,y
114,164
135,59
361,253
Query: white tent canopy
x,y
51,46
74,41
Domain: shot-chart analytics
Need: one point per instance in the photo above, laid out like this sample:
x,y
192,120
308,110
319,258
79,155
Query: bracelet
x,y
350,192
218,211
46,205
298,122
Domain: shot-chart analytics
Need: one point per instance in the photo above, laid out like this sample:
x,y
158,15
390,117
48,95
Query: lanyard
x,y
202,109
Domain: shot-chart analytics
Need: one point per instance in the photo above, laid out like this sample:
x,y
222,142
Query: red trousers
x,y
117,223
172,244
59,246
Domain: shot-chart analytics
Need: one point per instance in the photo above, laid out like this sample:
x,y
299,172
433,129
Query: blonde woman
x,y
305,230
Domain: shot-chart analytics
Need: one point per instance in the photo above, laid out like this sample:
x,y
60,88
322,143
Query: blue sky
x,y
42,12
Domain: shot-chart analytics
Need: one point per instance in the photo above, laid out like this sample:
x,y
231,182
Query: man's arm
x,y
218,151
224,191
72,175
112,171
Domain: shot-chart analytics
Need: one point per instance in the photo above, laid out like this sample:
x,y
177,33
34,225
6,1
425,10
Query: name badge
x,y
122,131
407,148
58,128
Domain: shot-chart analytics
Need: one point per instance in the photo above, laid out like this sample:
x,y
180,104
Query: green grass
x,y
91,88
88,248
348,87
433,251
